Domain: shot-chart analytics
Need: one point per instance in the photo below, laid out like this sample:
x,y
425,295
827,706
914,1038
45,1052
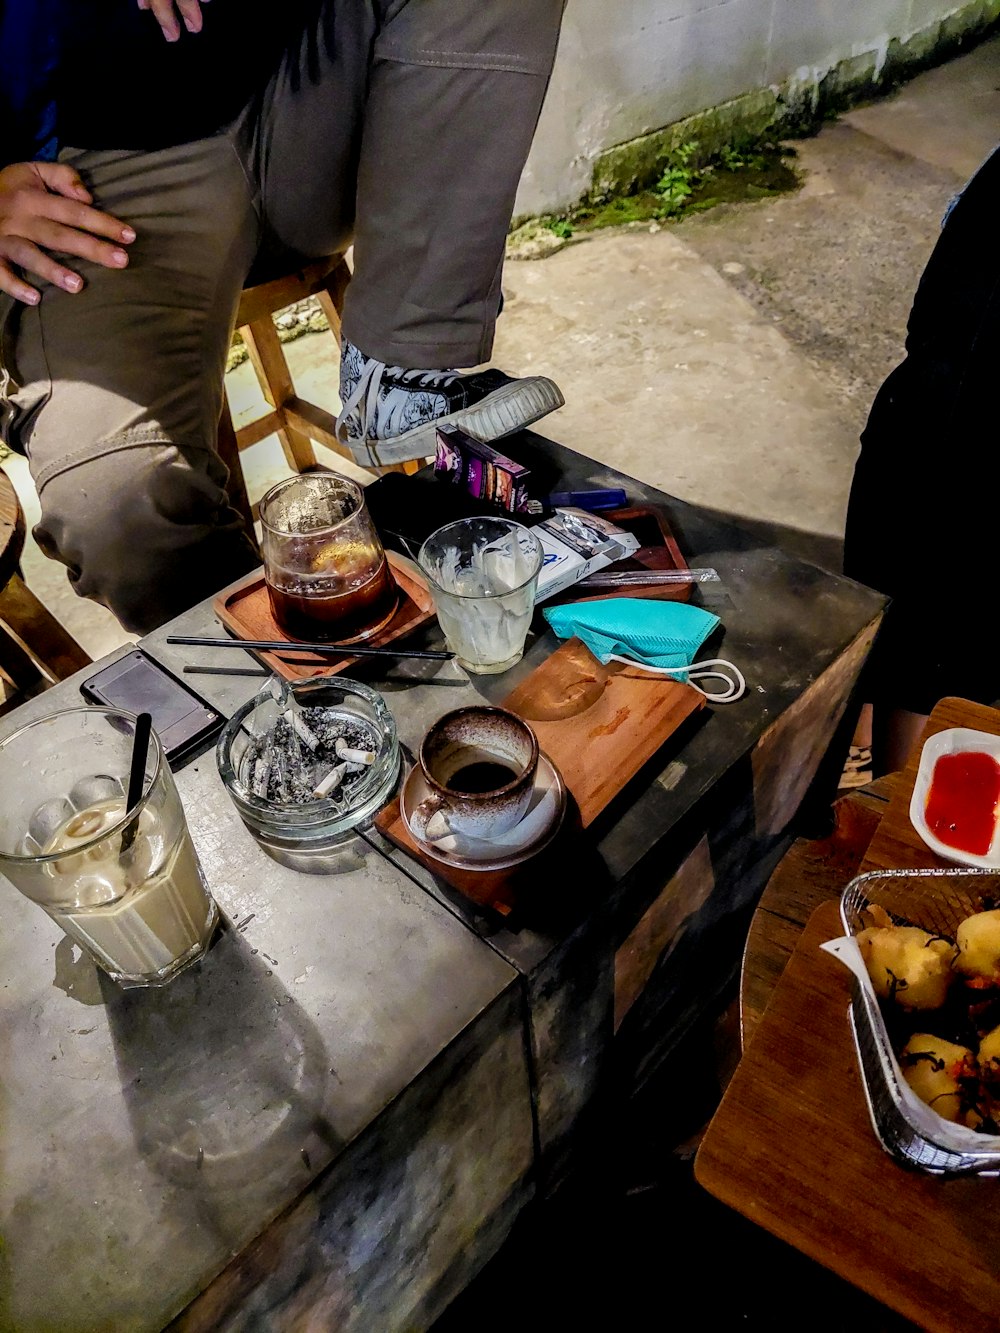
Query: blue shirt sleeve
x,y
29,56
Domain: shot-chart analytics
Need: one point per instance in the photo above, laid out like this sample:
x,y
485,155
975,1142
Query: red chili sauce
x,y
961,807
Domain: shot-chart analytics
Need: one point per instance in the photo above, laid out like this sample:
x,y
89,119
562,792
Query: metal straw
x,y
224,671
285,646
137,772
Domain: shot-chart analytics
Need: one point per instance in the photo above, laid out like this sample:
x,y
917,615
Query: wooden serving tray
x,y
599,725
658,551
245,609
792,1148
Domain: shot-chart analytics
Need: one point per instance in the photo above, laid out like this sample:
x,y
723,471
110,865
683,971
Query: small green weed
x,y
741,159
678,182
560,227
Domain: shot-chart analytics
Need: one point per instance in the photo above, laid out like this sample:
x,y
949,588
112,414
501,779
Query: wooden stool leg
x,y
331,297
58,652
16,665
230,454
275,380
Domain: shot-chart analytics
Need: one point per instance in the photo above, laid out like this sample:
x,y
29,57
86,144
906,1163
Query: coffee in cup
x,y
479,763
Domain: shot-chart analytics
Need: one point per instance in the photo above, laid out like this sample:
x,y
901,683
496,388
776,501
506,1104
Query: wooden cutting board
x,y
791,1147
245,608
896,844
598,725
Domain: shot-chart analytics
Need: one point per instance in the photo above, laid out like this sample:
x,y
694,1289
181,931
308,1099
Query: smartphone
x,y
181,718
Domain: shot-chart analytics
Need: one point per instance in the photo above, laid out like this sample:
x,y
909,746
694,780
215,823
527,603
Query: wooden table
x,y
812,872
791,1145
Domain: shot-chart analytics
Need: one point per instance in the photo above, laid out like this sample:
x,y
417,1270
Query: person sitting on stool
x,y
155,158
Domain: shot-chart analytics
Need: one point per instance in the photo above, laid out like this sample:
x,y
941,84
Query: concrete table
x,y
147,1138
338,1116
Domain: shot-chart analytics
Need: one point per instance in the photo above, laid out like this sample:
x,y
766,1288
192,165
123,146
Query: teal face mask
x,y
656,636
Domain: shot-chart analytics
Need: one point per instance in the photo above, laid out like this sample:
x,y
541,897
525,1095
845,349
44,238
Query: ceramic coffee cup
x,y
480,765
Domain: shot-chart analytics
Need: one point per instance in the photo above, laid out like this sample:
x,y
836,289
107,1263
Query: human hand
x,y
168,14
46,206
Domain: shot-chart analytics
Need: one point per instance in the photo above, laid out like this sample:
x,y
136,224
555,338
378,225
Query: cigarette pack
x,y
481,470
575,544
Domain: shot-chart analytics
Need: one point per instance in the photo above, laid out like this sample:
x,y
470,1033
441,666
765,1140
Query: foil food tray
x,y
937,901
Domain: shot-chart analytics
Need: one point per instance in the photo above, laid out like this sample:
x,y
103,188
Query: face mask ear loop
x,y
697,670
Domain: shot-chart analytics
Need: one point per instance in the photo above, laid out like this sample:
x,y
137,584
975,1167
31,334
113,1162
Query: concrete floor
x,y
729,359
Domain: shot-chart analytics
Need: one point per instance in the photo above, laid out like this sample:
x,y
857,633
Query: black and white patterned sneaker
x,y
390,415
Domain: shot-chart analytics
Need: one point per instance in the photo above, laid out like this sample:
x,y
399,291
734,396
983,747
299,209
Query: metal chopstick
x,y
284,646
190,670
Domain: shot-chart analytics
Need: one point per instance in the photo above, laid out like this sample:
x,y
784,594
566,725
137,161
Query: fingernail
x,y
128,234
31,298
119,257
72,283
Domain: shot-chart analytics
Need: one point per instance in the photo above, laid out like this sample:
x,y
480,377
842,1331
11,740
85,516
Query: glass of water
x,y
483,574
125,886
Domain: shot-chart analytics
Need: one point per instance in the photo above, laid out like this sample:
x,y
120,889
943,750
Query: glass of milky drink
x,y
326,571
125,886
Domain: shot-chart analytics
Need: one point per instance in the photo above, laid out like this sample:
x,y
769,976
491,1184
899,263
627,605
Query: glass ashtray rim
x,y
316,813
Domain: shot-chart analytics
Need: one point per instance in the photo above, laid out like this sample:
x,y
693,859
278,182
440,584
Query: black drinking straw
x,y
136,774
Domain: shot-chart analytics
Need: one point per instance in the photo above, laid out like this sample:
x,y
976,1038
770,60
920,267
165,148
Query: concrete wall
x,y
629,67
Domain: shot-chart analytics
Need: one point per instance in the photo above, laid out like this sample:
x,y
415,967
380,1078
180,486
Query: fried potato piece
x,y
989,1057
978,939
942,1074
907,965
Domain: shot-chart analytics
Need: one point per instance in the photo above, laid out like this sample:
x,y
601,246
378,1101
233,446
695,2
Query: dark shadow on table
x,y
817,548
225,1081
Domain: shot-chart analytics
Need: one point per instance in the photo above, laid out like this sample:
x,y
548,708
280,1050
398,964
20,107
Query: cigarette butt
x,y
303,730
344,751
333,779
261,773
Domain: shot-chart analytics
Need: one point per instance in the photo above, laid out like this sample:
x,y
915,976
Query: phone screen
x,y
139,685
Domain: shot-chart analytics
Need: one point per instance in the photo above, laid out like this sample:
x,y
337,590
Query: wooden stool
x,y
34,647
297,423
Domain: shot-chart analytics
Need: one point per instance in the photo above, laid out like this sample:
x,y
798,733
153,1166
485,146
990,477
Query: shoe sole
x,y
502,412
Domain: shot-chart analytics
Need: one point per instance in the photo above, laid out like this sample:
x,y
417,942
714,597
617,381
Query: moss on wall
x,y
797,107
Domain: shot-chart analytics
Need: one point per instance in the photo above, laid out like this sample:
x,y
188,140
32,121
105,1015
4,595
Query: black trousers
x,y
922,520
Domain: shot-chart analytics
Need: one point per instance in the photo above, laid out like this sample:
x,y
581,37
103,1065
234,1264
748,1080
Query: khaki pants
x,y
401,126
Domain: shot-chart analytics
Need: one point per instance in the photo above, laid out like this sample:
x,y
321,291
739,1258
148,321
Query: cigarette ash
x,y
310,754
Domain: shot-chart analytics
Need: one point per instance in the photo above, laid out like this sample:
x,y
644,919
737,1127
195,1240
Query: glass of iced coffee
x,y
326,571
125,885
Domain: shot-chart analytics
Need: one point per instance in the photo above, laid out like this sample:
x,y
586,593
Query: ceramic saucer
x,y
536,830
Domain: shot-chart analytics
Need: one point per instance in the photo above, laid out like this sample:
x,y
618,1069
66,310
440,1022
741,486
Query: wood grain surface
x,y
791,1147
245,609
599,724
11,529
813,871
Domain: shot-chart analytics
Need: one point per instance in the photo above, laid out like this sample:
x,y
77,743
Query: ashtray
x,y
966,802
281,807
